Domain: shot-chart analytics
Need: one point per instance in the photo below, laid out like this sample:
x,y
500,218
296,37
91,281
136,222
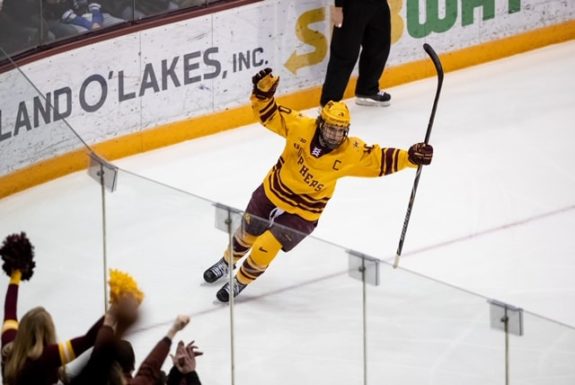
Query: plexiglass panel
x,y
166,238
62,218
310,314
544,354
420,330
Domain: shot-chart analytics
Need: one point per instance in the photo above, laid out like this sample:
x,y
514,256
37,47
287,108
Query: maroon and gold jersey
x,y
304,178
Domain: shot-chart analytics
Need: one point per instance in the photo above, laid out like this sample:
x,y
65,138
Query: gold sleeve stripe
x,y
9,324
292,199
66,352
264,117
390,159
268,106
382,167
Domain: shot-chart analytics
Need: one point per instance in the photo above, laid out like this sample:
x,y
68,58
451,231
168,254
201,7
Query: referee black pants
x,y
366,27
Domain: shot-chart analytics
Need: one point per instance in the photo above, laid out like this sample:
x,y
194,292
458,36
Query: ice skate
x,y
382,99
216,271
223,294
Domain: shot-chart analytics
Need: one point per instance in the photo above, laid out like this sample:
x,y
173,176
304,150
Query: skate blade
x,y
371,103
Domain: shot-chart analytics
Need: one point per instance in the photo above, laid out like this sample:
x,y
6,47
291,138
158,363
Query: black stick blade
x,y
435,59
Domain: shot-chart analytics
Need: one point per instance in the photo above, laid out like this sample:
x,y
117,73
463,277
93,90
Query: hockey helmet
x,y
333,124
335,114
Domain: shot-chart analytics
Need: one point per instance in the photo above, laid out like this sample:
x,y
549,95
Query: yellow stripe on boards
x,y
210,124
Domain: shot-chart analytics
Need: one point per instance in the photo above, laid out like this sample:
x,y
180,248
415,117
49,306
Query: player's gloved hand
x,y
265,84
420,154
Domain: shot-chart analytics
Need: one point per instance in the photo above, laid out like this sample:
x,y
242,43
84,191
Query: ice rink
x,y
494,215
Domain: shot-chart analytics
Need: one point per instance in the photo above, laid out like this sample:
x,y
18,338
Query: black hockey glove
x,y
265,84
420,154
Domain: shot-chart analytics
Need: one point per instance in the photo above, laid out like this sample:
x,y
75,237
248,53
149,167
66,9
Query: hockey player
x,y
286,207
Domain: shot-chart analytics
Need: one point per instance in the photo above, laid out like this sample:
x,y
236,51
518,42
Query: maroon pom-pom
x,y
18,254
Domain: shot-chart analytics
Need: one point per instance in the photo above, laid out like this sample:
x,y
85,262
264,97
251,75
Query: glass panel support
x,y
509,319
228,219
106,174
363,267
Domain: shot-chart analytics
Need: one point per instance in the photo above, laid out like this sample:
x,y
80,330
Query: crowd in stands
x,y
26,24
32,356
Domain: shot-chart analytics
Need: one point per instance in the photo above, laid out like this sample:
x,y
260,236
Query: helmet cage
x,y
332,135
333,123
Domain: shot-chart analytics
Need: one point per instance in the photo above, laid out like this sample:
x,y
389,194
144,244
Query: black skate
x,y
382,99
216,271
223,294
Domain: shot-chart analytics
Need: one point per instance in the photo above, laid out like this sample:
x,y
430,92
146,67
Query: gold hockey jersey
x,y
304,177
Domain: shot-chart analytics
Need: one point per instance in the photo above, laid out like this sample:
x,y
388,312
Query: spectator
x,y
183,371
365,25
30,354
102,368
83,16
53,11
150,372
112,361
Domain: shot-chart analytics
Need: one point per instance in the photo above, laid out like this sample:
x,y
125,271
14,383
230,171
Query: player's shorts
x,y
261,215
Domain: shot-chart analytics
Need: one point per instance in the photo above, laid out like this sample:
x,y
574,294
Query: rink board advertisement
x,y
204,65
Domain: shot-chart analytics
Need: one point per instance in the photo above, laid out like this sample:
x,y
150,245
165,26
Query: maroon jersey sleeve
x,y
10,324
149,371
64,352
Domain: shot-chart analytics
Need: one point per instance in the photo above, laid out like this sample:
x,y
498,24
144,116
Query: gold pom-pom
x,y
120,284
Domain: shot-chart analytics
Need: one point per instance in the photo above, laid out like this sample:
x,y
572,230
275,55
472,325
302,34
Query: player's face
x,y
333,135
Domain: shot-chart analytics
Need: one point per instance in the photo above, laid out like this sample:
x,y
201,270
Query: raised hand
x,y
185,358
265,84
179,323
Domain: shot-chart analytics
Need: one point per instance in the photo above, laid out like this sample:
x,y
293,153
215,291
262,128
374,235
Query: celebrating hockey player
x,y
286,207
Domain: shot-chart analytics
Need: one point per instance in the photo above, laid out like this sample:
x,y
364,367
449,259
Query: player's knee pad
x,y
242,241
265,248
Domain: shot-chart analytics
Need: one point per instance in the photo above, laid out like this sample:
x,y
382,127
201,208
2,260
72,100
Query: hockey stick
x,y
439,70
